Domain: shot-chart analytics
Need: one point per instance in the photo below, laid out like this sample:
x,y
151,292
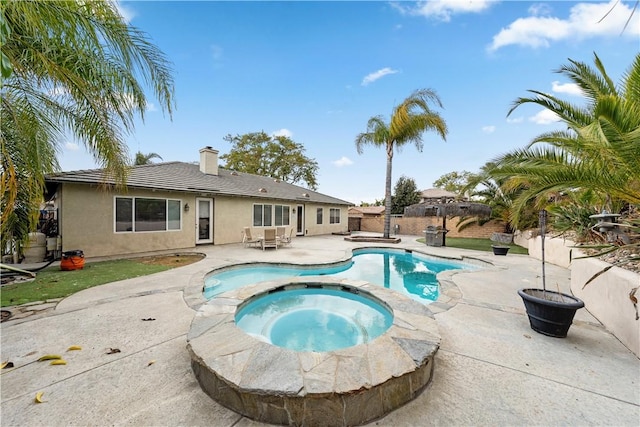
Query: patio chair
x,y
270,240
249,240
286,240
280,232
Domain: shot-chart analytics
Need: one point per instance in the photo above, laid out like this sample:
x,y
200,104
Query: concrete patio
x,y
491,368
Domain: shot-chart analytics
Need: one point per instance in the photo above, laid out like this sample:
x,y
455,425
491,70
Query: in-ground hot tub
x,y
351,385
315,317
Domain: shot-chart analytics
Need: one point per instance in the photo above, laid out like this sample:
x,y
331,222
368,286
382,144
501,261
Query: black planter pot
x,y
500,250
550,313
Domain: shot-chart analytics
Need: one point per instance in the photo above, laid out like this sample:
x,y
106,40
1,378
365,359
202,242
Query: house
x,y
365,211
358,213
178,205
437,195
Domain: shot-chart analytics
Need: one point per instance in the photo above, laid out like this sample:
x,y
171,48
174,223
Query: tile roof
x,y
369,210
187,177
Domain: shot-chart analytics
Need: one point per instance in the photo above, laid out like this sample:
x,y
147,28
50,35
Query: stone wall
x,y
416,226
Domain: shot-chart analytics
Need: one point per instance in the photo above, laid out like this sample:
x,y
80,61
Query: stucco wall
x,y
232,214
86,221
557,251
608,298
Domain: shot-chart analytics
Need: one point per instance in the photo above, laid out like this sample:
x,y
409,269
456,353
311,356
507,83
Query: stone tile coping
x,y
349,386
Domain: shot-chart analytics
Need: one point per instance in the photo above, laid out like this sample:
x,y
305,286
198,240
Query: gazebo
x,y
448,209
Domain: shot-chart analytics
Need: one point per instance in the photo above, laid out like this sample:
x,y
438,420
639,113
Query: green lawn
x,y
478,245
55,283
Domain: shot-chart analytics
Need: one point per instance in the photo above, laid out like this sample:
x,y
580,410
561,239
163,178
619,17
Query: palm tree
x,y
408,122
69,68
599,150
145,159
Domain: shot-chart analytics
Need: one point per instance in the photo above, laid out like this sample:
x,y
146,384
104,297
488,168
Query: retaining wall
x,y
607,298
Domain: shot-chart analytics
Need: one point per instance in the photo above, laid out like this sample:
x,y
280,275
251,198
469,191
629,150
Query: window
x,y
262,215
271,215
173,214
124,214
282,215
319,216
334,216
139,214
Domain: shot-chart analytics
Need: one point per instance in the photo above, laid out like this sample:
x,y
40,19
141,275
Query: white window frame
x,y
271,208
133,214
333,218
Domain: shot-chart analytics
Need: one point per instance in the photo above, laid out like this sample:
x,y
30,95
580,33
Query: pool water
x,y
314,319
407,272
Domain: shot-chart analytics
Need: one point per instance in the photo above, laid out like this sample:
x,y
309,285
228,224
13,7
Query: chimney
x,y
209,161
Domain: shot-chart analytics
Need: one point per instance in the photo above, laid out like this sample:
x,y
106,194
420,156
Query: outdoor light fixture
x,y
186,207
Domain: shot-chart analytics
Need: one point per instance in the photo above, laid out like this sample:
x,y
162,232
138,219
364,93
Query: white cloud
x,y
282,132
515,120
545,117
151,107
539,9
488,129
127,13
372,77
342,161
71,146
442,10
586,20
533,32
569,88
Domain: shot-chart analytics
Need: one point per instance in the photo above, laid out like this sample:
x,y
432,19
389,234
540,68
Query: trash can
x,y
72,260
396,229
434,236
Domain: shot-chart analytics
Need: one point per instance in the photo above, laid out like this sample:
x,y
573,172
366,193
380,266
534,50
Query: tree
x,y
405,193
70,68
453,181
277,156
484,188
408,122
145,159
598,151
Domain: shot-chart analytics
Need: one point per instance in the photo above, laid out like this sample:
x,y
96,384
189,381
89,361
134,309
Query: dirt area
x,y
172,260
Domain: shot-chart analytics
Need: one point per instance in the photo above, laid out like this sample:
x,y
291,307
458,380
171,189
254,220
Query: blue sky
x,y
317,71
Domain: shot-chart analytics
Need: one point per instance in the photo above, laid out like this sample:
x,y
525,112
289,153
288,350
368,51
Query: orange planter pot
x,y
72,260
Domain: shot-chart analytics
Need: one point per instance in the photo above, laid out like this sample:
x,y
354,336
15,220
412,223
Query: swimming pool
x,y
408,272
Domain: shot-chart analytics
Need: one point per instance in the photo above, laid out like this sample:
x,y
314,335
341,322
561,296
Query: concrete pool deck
x,y
491,368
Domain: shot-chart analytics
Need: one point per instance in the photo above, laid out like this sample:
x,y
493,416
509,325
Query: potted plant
x,y
500,249
550,313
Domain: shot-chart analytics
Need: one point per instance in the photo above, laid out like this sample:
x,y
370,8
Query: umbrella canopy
x,y
448,209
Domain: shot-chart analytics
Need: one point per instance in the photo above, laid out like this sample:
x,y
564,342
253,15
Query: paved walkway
x,y
491,369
